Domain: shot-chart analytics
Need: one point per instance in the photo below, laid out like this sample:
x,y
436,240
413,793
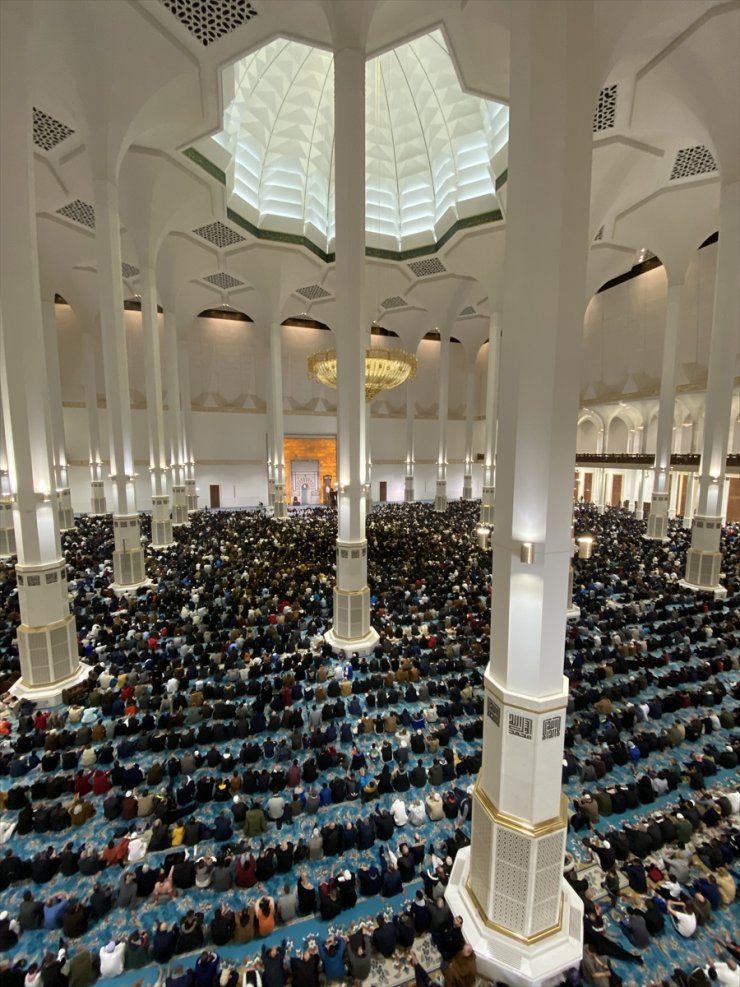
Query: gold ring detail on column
x,y
53,626
495,927
533,831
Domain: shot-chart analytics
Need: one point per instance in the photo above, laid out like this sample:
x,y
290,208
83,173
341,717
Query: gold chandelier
x,y
384,369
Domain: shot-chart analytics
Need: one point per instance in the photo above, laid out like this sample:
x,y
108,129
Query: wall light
x,y
526,552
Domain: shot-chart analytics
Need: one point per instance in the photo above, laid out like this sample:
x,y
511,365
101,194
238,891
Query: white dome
x,y
431,148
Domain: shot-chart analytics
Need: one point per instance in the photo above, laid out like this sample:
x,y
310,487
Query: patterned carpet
x,y
666,952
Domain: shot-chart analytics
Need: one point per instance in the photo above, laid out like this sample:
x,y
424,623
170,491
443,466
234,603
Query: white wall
x,y
230,451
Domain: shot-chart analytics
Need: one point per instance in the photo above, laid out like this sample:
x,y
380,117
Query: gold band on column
x,y
530,830
529,940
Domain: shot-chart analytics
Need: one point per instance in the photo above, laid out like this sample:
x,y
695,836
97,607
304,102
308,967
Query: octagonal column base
x,y
364,645
506,959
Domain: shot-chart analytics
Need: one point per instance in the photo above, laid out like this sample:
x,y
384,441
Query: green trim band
x,y
482,219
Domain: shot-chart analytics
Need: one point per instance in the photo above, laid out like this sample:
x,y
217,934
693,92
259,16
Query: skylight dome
x,y
432,150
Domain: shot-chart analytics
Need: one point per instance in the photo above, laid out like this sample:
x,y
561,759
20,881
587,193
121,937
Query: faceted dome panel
x,y
430,147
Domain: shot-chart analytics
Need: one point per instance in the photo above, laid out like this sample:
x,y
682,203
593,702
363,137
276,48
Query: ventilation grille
x,y
80,212
690,161
395,301
423,268
219,235
209,20
128,270
313,291
222,280
48,132
605,116
468,310
599,234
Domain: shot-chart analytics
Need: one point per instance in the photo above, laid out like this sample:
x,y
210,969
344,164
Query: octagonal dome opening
x,y
432,150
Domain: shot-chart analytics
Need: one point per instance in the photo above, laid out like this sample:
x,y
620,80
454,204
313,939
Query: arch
x,y
589,415
588,436
617,435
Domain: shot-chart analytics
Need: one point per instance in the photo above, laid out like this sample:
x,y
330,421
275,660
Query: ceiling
x,y
432,150
216,123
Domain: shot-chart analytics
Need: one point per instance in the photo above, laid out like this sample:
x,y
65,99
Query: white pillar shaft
x,y
688,511
351,630
443,400
657,526
153,382
369,457
183,353
115,358
674,483
98,503
59,455
349,112
664,434
410,421
277,454
22,358
90,388
546,238
722,355
46,637
494,346
467,491
489,451
514,874
469,405
703,559
440,497
173,397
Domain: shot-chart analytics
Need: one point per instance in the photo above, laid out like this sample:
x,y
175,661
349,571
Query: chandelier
x,y
384,369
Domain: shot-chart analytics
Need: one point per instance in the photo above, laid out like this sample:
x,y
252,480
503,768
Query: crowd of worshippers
x,y
652,672
227,646
334,957
190,684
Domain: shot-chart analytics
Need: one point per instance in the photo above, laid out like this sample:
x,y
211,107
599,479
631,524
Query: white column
x,y
688,511
639,448
369,458
62,497
408,490
158,468
725,500
191,491
7,532
467,490
90,389
47,639
639,504
276,416
675,480
440,496
523,920
657,525
351,630
703,559
606,490
597,488
176,453
489,453
128,557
